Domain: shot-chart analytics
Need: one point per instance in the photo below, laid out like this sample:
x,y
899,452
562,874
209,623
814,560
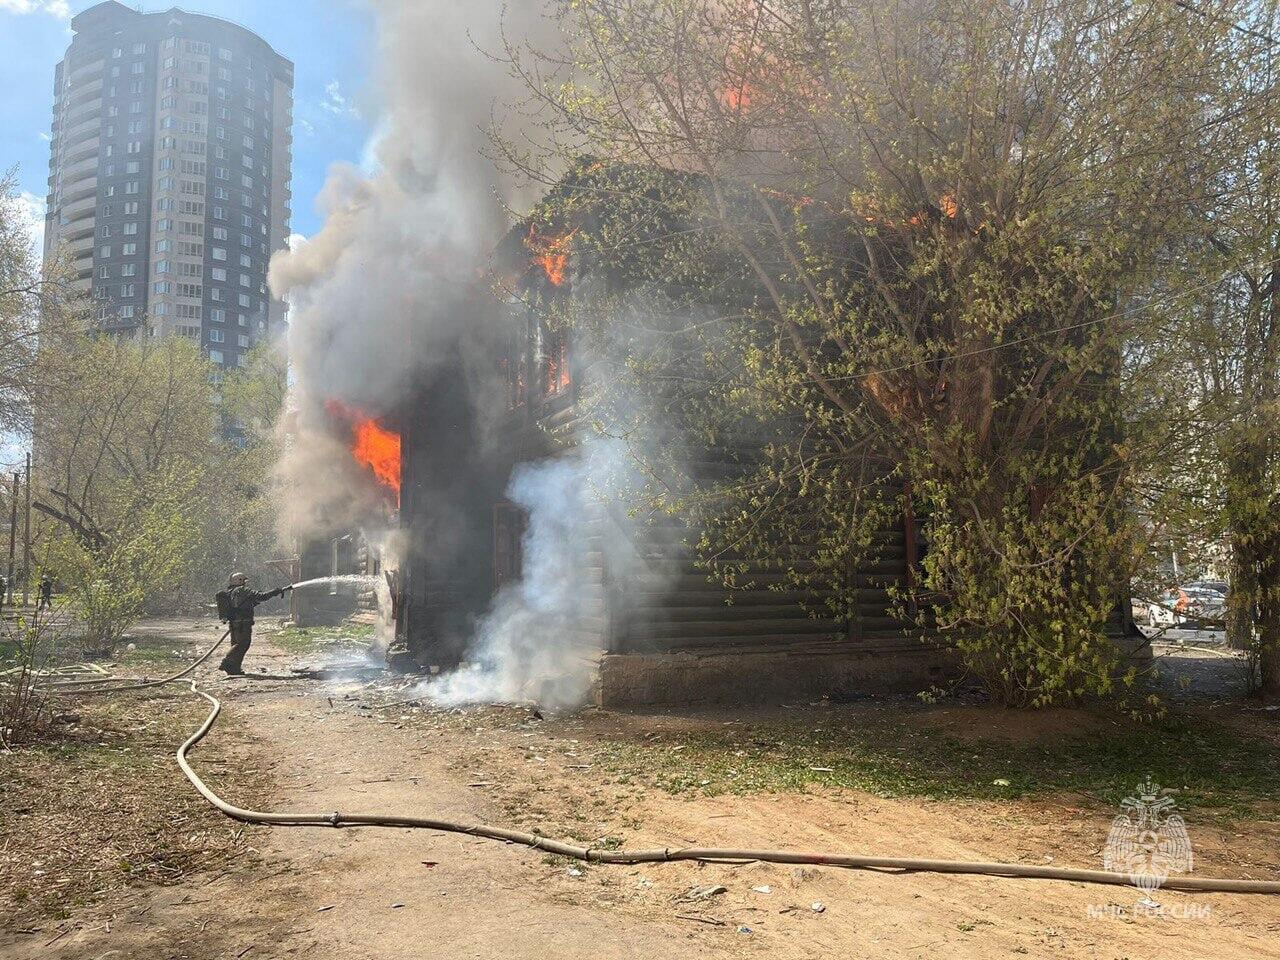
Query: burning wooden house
x,y
657,627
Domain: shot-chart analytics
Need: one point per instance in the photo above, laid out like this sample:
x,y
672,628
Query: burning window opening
x,y
551,253
372,445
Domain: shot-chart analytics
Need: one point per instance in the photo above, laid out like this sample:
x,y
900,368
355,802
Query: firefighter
x,y
236,604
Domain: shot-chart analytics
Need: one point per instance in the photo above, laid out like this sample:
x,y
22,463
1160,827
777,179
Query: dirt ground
x,y
334,744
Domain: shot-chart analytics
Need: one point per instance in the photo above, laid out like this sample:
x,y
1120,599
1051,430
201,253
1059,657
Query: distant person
x,y
46,594
235,607
4,591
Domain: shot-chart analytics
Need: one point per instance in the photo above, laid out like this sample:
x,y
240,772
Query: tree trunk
x,y
1269,628
1241,605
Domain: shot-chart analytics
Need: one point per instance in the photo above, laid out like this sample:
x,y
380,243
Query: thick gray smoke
x,y
395,273
391,291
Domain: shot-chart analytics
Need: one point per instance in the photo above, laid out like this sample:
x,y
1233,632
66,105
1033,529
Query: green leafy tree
x,y
938,229
126,433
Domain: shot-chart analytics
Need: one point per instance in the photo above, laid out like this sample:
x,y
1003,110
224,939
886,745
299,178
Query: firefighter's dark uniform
x,y
243,600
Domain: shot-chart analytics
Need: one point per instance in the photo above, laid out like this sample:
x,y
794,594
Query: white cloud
x,y
55,8
335,102
295,240
42,135
306,126
32,209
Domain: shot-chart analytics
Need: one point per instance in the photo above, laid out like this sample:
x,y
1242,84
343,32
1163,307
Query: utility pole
x,y
26,538
13,533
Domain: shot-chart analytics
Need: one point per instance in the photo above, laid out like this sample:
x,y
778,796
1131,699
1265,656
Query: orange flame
x,y
373,445
552,253
737,99
379,450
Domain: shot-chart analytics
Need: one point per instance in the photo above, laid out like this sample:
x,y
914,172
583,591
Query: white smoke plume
x,y
530,646
396,271
391,293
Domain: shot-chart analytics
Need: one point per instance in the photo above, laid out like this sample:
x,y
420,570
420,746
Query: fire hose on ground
x,y
901,865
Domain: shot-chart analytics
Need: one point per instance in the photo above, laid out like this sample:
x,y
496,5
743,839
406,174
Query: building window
x,y
219,273
244,280
245,301
215,293
131,208
219,253
162,287
138,68
131,228
126,311
217,315
106,209
215,356
219,233
104,253
128,291
243,340
129,270
139,49
217,336
133,166
163,266
131,187
128,249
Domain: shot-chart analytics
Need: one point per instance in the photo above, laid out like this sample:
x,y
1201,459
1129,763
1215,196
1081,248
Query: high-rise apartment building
x,y
169,174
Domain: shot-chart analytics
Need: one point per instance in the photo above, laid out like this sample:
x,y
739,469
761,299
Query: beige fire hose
x,y
661,855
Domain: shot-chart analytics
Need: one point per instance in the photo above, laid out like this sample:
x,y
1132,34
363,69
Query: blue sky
x,y
329,41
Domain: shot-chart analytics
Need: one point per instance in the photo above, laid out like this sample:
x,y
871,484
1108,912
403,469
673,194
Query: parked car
x,y
1191,605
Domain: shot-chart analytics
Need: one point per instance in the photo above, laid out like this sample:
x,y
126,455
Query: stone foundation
x,y
749,678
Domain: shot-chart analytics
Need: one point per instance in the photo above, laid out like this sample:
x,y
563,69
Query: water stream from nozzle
x,y
363,581
354,579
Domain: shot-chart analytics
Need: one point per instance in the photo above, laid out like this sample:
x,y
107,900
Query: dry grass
x,y
101,805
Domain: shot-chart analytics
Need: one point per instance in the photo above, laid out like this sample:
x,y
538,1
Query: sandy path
x,y
486,900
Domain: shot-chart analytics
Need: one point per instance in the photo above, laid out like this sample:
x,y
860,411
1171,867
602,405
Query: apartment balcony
x,y
80,169
87,149
83,284
83,130
81,248
82,93
78,210
91,110
79,190
75,231
88,70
